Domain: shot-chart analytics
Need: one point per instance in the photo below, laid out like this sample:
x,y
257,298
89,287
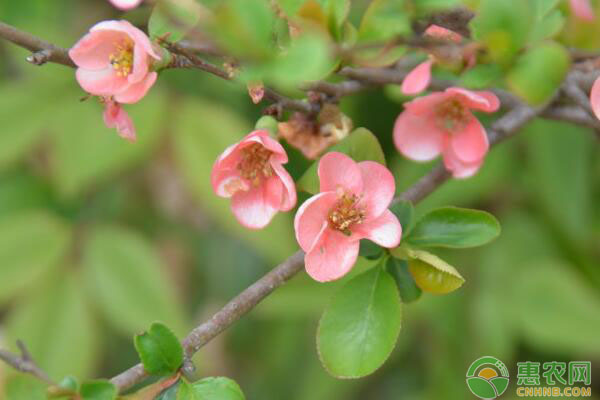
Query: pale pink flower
x,y
582,9
352,205
114,59
418,79
126,4
595,98
250,172
115,117
442,123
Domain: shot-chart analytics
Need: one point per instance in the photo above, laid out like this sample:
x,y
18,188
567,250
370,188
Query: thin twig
x,y
24,362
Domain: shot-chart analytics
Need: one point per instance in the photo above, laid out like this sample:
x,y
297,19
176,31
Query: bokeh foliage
x,y
97,242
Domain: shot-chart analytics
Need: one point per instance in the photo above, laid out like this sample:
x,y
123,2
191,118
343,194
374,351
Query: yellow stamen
x,y
452,116
254,164
122,60
346,213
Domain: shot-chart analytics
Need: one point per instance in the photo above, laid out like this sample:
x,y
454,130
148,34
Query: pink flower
x,y
418,79
116,117
126,4
114,59
442,123
353,205
251,173
595,98
582,9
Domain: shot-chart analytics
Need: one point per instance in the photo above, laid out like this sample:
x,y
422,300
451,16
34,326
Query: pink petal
x,y
595,98
337,170
138,36
333,257
311,218
459,168
253,209
289,194
227,182
378,187
134,93
582,9
479,100
140,65
125,4
384,230
438,32
425,105
418,79
471,144
263,137
94,49
417,137
102,82
116,117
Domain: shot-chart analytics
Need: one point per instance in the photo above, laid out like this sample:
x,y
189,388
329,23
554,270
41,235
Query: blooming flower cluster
x,y
114,62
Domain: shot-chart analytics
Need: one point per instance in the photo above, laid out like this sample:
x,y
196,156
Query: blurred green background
x,y
99,237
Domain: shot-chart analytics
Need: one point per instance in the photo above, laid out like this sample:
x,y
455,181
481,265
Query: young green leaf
x,y
98,390
159,349
454,227
432,274
360,145
359,329
405,213
175,18
219,388
369,250
539,72
384,19
398,269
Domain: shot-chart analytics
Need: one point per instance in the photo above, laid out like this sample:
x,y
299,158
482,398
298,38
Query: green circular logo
x,y
487,377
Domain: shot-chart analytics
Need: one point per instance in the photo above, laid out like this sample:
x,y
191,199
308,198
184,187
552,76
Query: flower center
x,y
452,116
122,59
346,213
254,164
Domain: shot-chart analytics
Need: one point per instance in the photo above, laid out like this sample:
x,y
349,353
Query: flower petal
x,y
481,100
103,82
134,93
125,4
378,187
337,170
459,168
94,49
140,65
254,209
289,193
138,36
418,79
439,32
227,181
417,137
331,258
263,137
311,217
595,98
384,230
471,144
582,9
116,117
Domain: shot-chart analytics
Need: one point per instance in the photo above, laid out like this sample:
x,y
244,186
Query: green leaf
x,y
124,275
311,51
159,349
174,17
454,227
384,19
369,250
548,26
359,329
432,274
337,12
33,242
360,145
244,28
481,76
219,388
539,72
54,319
82,159
405,212
503,26
98,390
398,269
